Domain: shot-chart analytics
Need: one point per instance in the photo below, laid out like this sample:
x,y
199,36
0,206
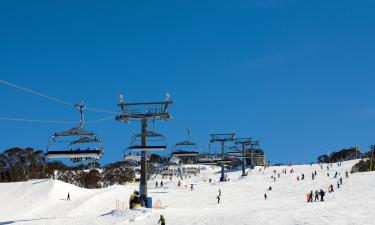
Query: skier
x,y
156,184
68,198
340,180
218,199
311,196
161,184
331,188
161,220
338,185
270,188
191,187
316,195
303,177
219,192
315,172
179,184
321,193
346,174
336,174
265,196
312,176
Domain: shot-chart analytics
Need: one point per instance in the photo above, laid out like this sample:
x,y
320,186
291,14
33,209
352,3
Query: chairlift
x,y
81,144
155,142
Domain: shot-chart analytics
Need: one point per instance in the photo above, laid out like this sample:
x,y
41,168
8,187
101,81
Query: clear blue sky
x,y
298,75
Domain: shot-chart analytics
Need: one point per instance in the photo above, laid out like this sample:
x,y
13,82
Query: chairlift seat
x,y
74,154
223,161
148,148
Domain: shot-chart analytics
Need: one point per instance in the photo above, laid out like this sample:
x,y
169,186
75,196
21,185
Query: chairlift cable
x,y
32,120
52,121
49,97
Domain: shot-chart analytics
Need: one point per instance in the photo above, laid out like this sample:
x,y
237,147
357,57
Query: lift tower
x,y
144,111
243,142
223,138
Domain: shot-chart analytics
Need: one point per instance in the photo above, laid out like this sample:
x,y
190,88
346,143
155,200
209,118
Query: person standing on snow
x,y
161,220
68,198
265,196
316,195
218,199
321,193
331,188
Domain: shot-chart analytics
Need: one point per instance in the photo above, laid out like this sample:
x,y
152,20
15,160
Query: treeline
x,y
17,164
342,155
365,164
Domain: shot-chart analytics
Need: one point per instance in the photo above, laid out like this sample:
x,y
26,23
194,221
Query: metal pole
x,y
243,160
143,182
222,178
372,156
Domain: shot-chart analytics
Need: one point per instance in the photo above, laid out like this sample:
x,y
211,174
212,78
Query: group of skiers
x,y
157,184
314,196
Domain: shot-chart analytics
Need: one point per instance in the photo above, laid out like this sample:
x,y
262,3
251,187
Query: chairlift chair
x,y
156,142
74,149
82,144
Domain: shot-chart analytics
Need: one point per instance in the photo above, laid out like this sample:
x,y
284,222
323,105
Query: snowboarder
x,y
161,220
68,198
218,199
265,196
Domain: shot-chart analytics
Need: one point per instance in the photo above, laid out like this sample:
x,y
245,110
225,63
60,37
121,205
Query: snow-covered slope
x,y
242,201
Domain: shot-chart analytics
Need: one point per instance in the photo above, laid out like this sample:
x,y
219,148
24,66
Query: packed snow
x,y
242,199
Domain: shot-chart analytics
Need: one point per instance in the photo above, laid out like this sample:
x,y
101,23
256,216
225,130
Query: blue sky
x,y
298,75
